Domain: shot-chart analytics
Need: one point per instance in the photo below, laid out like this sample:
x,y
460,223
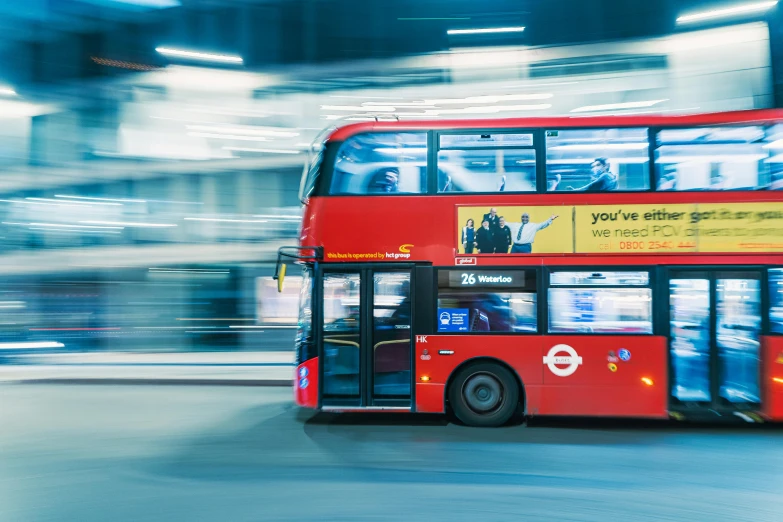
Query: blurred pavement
x,y
244,454
241,368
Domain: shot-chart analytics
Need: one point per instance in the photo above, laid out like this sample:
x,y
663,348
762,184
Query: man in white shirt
x,y
525,233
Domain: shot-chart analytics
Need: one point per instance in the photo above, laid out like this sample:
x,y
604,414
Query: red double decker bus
x,y
623,266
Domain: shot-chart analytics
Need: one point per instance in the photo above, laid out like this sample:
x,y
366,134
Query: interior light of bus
x,y
778,379
647,381
424,378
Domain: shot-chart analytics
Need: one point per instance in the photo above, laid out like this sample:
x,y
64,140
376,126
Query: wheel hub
x,y
483,393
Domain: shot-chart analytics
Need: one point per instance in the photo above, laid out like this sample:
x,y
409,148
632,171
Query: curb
x,y
154,381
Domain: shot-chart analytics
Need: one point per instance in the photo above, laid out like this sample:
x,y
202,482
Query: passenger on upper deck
x,y
603,179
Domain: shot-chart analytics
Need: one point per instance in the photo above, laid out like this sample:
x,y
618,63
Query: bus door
x,y
366,337
714,321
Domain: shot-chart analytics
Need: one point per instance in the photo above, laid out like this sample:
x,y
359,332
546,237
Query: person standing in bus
x,y
501,236
524,236
469,237
484,239
493,219
603,179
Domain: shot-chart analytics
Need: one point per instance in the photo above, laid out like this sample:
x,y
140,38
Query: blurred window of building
x,y
597,160
600,302
719,158
275,308
381,163
484,162
487,301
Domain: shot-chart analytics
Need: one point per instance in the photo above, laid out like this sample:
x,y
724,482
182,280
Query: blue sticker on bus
x,y
624,355
303,383
303,372
453,320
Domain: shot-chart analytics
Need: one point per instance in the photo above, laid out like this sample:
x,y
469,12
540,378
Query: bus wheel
x,y
484,394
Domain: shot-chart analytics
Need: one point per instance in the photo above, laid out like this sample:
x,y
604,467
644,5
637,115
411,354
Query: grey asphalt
x,y
168,453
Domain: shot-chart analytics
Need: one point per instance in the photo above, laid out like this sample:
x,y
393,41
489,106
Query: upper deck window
x,y
597,160
381,163
487,162
720,158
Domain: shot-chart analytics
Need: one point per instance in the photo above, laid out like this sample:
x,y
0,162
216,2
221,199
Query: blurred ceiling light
x,y
601,146
486,30
254,131
63,225
193,55
247,113
155,4
49,200
490,99
7,91
227,136
277,216
728,11
775,145
412,150
269,151
360,97
39,344
129,224
490,109
226,220
101,199
356,108
615,106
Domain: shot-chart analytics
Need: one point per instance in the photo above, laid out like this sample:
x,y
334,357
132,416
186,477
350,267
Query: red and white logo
x,y
460,261
555,360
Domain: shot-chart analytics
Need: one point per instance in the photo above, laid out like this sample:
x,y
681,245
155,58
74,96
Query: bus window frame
x,y
652,285
537,270
334,147
324,179
434,152
654,146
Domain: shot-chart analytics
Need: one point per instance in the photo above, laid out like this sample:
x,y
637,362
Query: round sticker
x,y
624,354
303,372
303,383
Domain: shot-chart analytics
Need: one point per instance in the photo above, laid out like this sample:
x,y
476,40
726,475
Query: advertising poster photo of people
x,y
515,229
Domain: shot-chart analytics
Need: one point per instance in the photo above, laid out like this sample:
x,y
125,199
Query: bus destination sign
x,y
484,278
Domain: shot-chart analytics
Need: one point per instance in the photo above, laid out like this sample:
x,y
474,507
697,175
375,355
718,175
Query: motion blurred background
x,y
151,150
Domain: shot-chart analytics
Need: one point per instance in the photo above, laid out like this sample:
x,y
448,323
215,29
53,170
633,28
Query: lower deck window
x,y
486,301
600,309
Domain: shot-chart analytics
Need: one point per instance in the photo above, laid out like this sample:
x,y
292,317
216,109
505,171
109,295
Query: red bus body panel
x,y
307,395
772,377
600,385
374,228
750,117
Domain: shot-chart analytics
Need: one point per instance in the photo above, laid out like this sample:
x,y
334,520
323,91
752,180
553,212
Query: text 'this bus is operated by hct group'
x,y
602,266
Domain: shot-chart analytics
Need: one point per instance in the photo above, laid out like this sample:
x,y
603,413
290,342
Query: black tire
x,y
484,394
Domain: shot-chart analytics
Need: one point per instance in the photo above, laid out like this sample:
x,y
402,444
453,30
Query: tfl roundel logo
x,y
562,360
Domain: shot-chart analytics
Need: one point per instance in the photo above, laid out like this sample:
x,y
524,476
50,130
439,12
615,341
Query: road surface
x,y
244,454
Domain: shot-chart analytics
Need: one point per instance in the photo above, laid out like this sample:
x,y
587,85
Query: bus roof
x,y
749,117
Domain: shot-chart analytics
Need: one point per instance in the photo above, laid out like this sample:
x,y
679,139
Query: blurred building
x,y
151,149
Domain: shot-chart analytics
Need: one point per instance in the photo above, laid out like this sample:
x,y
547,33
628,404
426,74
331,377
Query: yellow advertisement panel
x,y
635,228
655,228
526,229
